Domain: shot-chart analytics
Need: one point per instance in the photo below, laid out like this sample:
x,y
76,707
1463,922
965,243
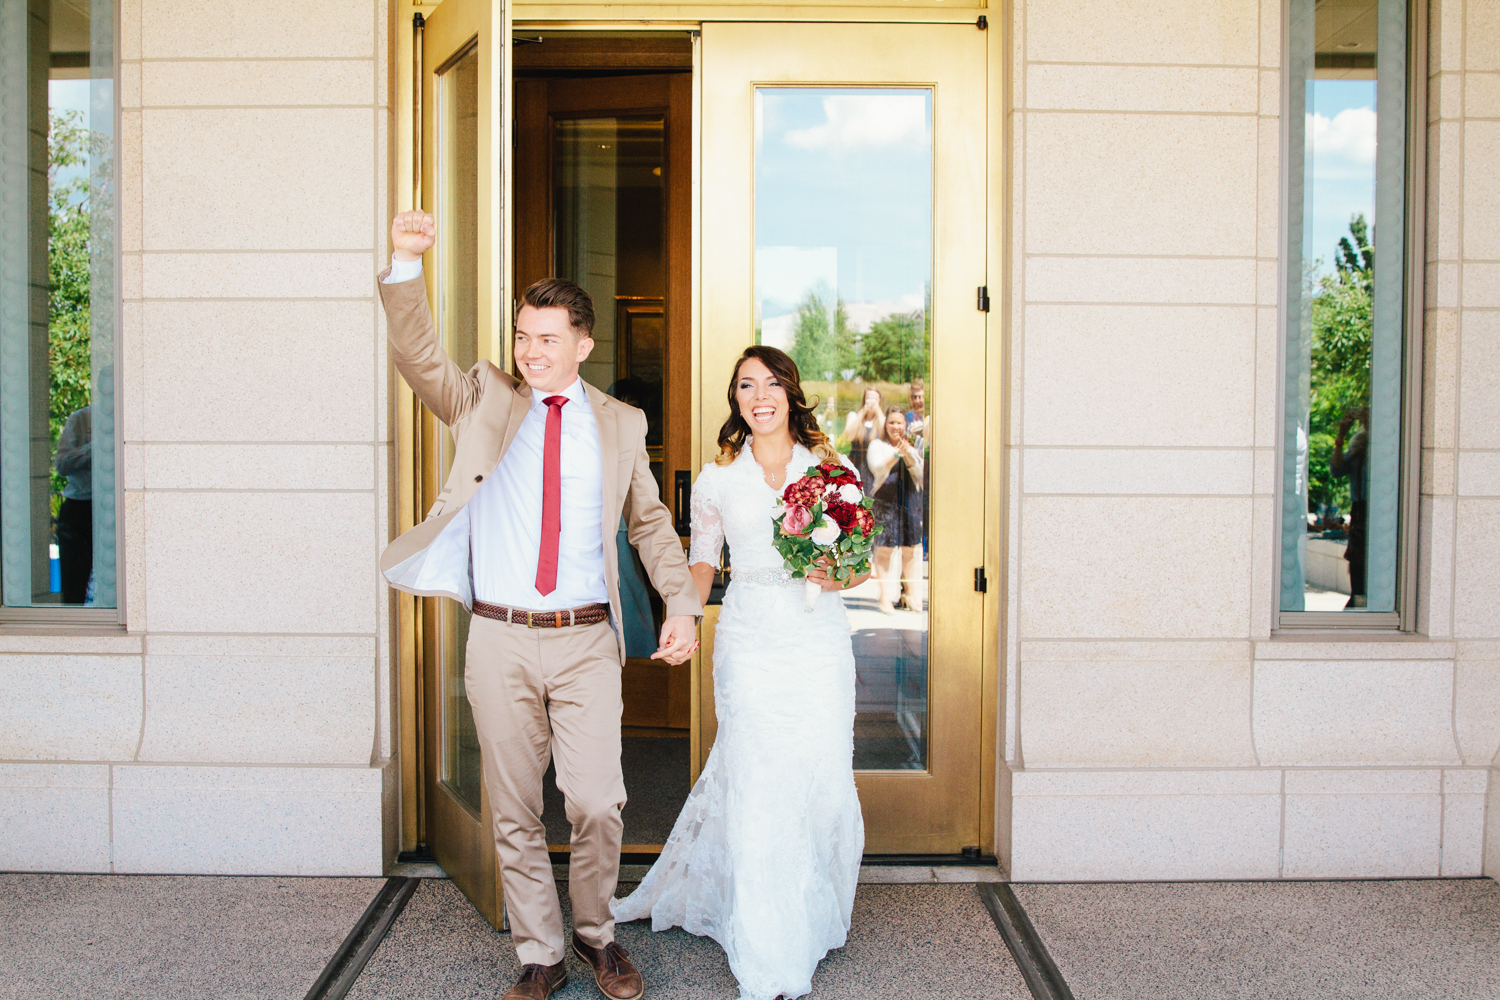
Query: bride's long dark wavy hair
x,y
800,420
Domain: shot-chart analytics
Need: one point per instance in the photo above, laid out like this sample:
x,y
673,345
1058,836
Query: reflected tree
x,y
1341,329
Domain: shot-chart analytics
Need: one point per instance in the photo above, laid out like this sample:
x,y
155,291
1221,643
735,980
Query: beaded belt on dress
x,y
769,577
589,614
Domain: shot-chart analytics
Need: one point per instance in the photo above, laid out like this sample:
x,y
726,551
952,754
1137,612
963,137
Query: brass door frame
x,y
997,606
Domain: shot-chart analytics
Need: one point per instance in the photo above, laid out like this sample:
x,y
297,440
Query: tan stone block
x,y
280,82
132,398
1264,592
130,85
260,275
1445,205
55,817
210,646
1479,380
130,276
1268,336
1463,827
1481,205
1437,473
259,179
1148,184
71,644
1476,711
1382,712
1481,285
1140,583
261,562
259,466
315,359
259,709
1446,49
1435,566
1481,95
1304,646
1476,569
1362,824
1199,89
1145,825
130,181
134,524
1481,29
1440,378
1268,235
1151,375
1165,713
60,707
1442,285
1270,33
186,29
1478,473
1117,31
1138,471
1146,280
249,820
1270,93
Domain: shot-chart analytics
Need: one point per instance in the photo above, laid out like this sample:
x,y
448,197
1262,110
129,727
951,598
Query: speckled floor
x,y
918,941
171,937
1428,939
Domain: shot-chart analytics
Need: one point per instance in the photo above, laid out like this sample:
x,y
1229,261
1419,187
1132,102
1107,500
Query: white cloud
x,y
1343,144
866,121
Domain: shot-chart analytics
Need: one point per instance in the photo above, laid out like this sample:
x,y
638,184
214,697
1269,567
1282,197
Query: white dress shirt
x,y
505,513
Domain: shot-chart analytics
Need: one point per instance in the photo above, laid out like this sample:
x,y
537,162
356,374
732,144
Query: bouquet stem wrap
x,y
810,592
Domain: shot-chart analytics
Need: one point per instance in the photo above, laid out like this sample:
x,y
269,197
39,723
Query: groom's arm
x,y
447,389
648,524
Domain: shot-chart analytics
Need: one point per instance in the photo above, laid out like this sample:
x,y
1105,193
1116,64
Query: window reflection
x,y
1345,290
57,299
843,270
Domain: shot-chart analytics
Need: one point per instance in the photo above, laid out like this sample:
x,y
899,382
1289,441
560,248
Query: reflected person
x,y
75,520
897,469
1353,463
861,427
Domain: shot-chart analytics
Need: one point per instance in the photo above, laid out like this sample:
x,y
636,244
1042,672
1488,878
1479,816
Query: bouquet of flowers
x,y
825,515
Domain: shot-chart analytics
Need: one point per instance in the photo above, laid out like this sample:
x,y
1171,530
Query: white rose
x,y
826,533
849,493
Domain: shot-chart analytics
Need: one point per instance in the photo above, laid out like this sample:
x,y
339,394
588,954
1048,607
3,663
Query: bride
x,y
765,854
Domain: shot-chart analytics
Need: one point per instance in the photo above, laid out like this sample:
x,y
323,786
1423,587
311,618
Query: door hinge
x,y
983,23
984,298
981,582
418,21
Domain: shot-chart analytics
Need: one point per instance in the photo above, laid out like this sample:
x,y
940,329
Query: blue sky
x,y
1341,131
843,194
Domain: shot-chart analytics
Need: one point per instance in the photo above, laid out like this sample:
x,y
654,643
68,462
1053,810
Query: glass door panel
x,y
462,107
843,278
834,227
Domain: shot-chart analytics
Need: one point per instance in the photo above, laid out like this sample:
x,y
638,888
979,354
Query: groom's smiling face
x,y
548,349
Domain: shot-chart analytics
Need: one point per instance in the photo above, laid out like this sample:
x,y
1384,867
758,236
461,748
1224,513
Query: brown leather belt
x,y
589,614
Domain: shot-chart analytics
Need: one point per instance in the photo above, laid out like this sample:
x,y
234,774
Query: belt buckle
x,y
531,620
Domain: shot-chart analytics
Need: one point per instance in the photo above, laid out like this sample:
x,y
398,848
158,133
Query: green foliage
x,y
895,349
1341,329
822,341
68,224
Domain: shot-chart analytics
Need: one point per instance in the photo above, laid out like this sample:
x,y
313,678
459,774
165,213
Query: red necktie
x,y
546,562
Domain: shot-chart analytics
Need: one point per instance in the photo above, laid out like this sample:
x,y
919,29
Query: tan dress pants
x,y
538,693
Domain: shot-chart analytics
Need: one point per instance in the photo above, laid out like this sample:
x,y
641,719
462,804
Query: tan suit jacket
x,y
484,408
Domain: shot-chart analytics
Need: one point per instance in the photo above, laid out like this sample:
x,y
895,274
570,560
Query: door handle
x,y
683,489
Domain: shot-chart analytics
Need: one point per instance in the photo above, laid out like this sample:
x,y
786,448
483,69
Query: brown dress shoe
x,y
538,982
613,971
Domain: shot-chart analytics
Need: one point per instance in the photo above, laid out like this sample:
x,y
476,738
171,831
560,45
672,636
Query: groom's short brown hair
x,y
550,292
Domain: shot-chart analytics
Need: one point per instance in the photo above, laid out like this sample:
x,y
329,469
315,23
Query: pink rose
x,y
796,520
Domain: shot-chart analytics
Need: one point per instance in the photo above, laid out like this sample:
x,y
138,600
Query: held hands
x,y
412,235
679,637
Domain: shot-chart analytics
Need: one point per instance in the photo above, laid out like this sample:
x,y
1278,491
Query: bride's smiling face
x,y
761,399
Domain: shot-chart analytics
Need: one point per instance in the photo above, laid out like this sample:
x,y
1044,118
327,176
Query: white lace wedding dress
x,y
765,855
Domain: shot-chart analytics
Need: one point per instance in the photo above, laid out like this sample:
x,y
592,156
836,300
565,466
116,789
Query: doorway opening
x,y
603,197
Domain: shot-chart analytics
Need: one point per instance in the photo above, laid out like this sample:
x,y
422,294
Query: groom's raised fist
x,y
411,235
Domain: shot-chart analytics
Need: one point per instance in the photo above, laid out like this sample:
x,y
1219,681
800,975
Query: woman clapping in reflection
x,y
896,472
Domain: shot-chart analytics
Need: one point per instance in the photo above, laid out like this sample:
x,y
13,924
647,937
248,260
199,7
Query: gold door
x,y
843,219
462,110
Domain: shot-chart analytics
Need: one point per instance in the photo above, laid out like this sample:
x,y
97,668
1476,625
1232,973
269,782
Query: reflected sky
x,y
843,197
1341,129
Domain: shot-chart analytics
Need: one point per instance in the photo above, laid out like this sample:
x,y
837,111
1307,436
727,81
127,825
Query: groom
x,y
523,533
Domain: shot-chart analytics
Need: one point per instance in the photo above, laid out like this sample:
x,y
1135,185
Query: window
x,y
57,310
1345,466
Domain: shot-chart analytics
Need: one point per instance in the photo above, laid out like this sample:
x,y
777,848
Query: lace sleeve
x,y
707,524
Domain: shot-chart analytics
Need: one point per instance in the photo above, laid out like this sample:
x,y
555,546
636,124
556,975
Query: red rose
x,y
845,514
837,472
